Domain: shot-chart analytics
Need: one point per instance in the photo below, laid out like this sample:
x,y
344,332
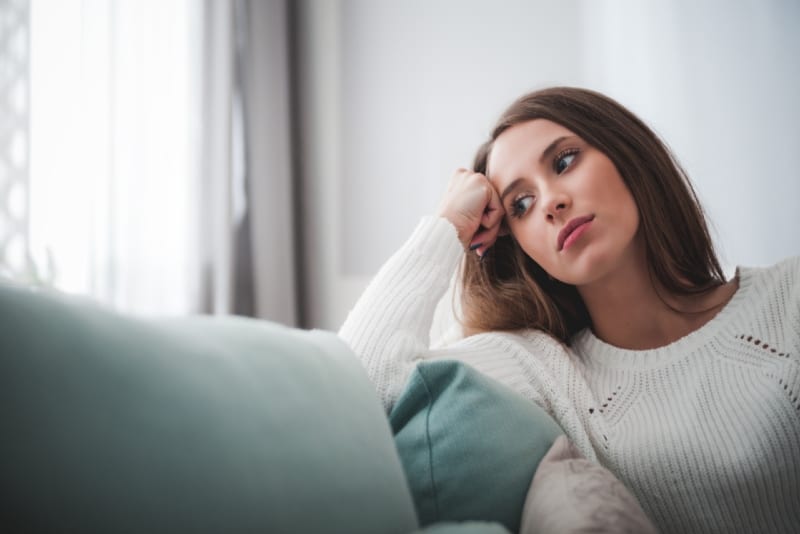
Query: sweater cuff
x,y
435,238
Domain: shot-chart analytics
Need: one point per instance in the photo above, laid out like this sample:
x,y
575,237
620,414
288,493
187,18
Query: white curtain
x,y
114,145
147,187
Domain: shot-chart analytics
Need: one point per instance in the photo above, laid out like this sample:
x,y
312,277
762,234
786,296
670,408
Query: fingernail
x,y
475,246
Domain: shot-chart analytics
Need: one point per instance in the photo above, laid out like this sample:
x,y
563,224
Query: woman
x,y
591,286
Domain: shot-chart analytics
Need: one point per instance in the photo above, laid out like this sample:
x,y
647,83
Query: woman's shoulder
x,y
530,340
785,271
774,284
790,264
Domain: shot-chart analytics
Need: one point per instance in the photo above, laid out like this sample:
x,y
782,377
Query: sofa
x,y
113,423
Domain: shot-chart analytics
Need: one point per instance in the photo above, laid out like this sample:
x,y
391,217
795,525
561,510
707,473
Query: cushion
x,y
570,494
469,444
194,425
464,527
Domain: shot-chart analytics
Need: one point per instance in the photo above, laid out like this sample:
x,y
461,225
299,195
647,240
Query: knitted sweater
x,y
705,431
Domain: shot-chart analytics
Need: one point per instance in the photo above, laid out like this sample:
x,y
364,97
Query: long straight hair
x,y
507,290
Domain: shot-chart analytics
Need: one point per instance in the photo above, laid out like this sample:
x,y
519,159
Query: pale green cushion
x,y
113,424
464,527
469,445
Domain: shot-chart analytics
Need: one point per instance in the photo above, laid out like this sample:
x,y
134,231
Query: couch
x,y
112,423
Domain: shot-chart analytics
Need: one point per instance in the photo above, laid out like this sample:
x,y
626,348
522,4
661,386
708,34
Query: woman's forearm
x,y
390,324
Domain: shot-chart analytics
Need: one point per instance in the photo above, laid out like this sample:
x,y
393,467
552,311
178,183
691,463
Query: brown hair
x,y
507,290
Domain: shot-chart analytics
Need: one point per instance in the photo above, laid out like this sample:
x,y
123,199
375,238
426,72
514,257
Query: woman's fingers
x,y
483,240
473,206
468,196
493,213
491,224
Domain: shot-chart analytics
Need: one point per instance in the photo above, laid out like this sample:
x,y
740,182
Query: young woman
x,y
591,286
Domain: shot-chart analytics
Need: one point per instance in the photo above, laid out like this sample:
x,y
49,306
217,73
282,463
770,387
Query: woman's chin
x,y
585,268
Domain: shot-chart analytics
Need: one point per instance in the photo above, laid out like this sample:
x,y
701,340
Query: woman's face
x,y
565,201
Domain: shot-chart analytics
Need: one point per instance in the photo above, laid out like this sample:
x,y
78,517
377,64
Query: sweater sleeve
x,y
389,326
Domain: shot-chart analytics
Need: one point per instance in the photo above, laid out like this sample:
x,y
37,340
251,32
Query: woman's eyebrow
x,y
509,189
546,154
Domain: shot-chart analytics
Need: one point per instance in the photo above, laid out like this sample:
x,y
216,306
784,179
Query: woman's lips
x,y
573,230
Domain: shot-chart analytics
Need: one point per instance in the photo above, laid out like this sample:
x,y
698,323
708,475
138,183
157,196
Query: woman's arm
x,y
389,326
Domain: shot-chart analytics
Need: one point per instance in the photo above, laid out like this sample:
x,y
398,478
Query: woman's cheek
x,y
535,251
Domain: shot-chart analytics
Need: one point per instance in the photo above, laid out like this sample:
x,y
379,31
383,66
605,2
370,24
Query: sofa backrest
x,y
114,424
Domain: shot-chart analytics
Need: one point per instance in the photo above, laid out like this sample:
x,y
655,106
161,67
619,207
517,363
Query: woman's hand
x,y
472,205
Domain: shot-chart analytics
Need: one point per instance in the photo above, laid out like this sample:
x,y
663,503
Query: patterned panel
x,y
14,126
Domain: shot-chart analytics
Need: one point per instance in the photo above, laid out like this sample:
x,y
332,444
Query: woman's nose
x,y
556,204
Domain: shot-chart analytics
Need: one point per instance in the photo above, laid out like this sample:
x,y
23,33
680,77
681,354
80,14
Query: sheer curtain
x,y
146,186
114,146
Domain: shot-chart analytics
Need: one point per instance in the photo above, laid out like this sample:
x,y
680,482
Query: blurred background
x,y
263,158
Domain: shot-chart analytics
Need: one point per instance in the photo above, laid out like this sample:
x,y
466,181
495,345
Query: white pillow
x,y
570,494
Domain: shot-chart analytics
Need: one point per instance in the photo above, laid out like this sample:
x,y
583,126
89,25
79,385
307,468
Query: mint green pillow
x,y
464,527
200,425
469,445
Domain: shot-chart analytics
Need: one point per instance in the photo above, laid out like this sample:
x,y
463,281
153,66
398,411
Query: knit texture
x,y
704,431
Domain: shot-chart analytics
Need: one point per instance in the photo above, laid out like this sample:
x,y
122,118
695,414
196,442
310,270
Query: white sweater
x,y
705,431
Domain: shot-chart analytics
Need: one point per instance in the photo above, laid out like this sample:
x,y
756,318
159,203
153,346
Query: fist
x,y
472,205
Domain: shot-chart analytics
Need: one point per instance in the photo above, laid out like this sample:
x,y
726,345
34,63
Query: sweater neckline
x,y
597,351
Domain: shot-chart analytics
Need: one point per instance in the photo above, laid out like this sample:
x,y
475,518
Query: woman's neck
x,y
631,310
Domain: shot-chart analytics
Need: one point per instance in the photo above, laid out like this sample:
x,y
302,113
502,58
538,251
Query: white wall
x,y
399,94
422,84
719,81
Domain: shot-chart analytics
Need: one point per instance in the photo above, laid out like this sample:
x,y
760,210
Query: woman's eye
x,y
564,160
521,205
